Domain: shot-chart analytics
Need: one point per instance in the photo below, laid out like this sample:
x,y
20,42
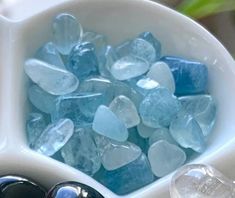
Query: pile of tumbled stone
x,y
125,115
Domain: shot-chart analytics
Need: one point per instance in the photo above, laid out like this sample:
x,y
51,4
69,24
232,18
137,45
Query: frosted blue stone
x,y
161,134
165,158
203,109
161,73
50,78
67,32
145,85
123,49
82,60
54,137
187,132
106,123
190,77
158,108
128,178
42,100
143,49
129,67
145,131
49,54
148,36
81,152
79,107
34,126
125,110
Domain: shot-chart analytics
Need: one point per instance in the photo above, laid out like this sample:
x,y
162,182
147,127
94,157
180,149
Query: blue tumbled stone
x,y
128,178
82,60
123,49
190,77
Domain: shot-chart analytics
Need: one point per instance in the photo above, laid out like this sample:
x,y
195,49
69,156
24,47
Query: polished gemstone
x,y
161,134
145,85
50,78
123,49
106,123
158,108
145,131
165,157
54,137
67,32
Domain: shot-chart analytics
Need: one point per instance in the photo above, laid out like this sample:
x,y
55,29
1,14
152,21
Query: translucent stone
x,y
203,109
34,126
201,181
161,73
42,100
125,110
67,32
190,77
78,107
129,67
145,131
187,132
117,155
123,49
83,61
81,152
143,49
50,78
148,36
128,178
106,123
165,157
145,85
54,137
158,108
49,54
161,134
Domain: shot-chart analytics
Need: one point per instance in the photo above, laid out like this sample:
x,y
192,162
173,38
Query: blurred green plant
x,y
202,8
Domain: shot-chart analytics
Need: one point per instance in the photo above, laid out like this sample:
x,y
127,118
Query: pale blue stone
x,y
145,85
81,152
123,49
125,110
148,36
187,132
158,108
42,100
129,67
50,78
83,61
191,77
161,134
202,108
67,32
108,124
165,158
54,137
145,131
128,178
49,54
143,49
79,107
34,126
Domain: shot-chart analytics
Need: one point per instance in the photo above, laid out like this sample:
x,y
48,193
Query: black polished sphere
x,y
18,187
73,190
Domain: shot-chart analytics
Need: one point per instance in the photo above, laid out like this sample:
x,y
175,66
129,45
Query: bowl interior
x,y
119,20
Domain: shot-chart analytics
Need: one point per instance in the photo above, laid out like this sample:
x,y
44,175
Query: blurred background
x,y
218,16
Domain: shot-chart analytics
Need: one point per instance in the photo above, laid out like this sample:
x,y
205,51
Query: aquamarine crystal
x,y
202,108
81,152
67,32
54,137
158,108
125,110
187,132
161,73
145,131
128,178
129,67
161,134
106,123
145,85
50,78
123,49
165,157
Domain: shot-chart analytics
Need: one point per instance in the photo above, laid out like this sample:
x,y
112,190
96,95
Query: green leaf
x,y
203,8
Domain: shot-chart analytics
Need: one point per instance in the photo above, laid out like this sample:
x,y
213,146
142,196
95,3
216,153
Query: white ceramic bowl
x,y
27,26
